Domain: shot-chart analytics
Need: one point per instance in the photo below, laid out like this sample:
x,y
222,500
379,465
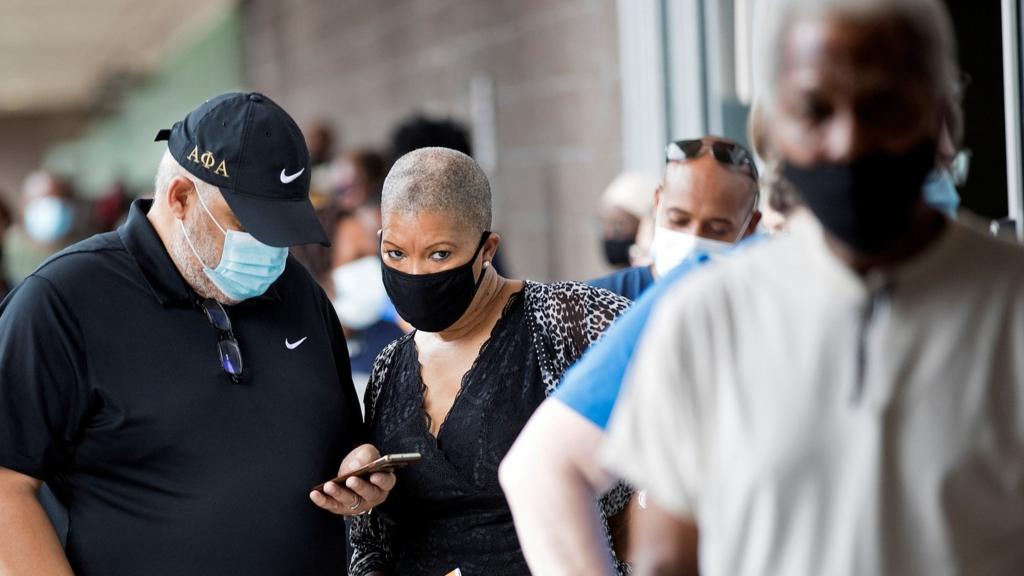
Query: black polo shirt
x,y
111,390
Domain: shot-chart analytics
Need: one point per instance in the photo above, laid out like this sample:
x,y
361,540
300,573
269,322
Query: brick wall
x,y
366,64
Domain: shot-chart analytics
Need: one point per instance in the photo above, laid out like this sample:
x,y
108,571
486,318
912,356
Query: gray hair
x,y
439,180
930,35
169,169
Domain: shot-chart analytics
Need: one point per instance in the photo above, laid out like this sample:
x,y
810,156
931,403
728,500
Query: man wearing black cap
x,y
181,383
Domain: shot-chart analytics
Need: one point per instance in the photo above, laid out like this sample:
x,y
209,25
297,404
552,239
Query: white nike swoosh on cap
x,y
286,179
294,345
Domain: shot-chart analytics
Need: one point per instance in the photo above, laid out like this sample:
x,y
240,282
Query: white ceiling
x,y
58,54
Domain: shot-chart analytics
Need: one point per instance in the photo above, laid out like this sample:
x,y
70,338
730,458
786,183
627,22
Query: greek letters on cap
x,y
206,160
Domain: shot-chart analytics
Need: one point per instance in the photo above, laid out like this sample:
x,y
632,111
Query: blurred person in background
x,y
349,272
640,253
940,187
707,203
322,145
849,398
51,219
6,220
627,200
486,351
779,200
358,179
316,257
181,383
360,299
421,131
110,210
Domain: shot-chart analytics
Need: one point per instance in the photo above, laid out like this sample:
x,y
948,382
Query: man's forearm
x,y
28,543
553,502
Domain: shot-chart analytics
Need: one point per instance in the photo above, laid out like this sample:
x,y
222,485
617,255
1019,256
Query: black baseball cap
x,y
250,148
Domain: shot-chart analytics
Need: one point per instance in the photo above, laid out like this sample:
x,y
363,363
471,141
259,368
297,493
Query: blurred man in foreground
x,y
846,400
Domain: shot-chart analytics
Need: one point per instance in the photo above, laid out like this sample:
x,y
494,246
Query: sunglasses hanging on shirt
x,y
227,346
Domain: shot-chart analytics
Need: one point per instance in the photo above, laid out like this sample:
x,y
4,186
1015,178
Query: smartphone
x,y
382,464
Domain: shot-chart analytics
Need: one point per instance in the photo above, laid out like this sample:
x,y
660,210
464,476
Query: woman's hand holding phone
x,y
357,495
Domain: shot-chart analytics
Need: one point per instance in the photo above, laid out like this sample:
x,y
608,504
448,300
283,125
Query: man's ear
x,y
657,197
179,194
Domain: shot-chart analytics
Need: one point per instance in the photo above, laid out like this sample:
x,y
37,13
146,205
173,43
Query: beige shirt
x,y
816,423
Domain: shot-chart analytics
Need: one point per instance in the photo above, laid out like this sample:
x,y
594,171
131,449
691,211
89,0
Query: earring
x,y
487,263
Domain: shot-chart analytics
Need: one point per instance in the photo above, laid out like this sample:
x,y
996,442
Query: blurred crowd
x,y
49,216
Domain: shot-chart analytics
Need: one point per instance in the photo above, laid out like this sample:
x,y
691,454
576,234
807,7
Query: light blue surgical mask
x,y
940,193
247,266
48,219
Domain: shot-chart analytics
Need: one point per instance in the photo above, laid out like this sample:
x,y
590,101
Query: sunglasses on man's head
x,y
227,346
729,153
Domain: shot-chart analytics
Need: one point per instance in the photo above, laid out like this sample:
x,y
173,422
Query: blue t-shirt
x,y
592,385
628,282
364,345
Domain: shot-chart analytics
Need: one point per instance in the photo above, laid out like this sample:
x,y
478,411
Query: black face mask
x,y
616,251
867,204
433,302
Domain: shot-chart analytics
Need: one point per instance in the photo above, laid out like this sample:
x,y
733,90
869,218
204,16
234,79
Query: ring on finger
x,y
356,504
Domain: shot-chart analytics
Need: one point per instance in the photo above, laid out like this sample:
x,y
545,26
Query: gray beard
x,y
191,269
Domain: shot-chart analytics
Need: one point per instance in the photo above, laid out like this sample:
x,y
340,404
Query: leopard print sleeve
x,y
567,318
603,308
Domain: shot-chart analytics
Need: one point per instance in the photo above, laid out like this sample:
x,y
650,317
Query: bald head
x,y
440,181
857,78
915,36
925,26
706,198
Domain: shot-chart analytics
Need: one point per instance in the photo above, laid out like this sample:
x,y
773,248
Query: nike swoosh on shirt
x,y
288,179
294,345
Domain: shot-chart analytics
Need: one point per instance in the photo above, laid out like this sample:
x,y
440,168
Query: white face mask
x,y
670,247
359,295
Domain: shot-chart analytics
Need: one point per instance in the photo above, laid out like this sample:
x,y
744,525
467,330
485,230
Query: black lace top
x,y
448,511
